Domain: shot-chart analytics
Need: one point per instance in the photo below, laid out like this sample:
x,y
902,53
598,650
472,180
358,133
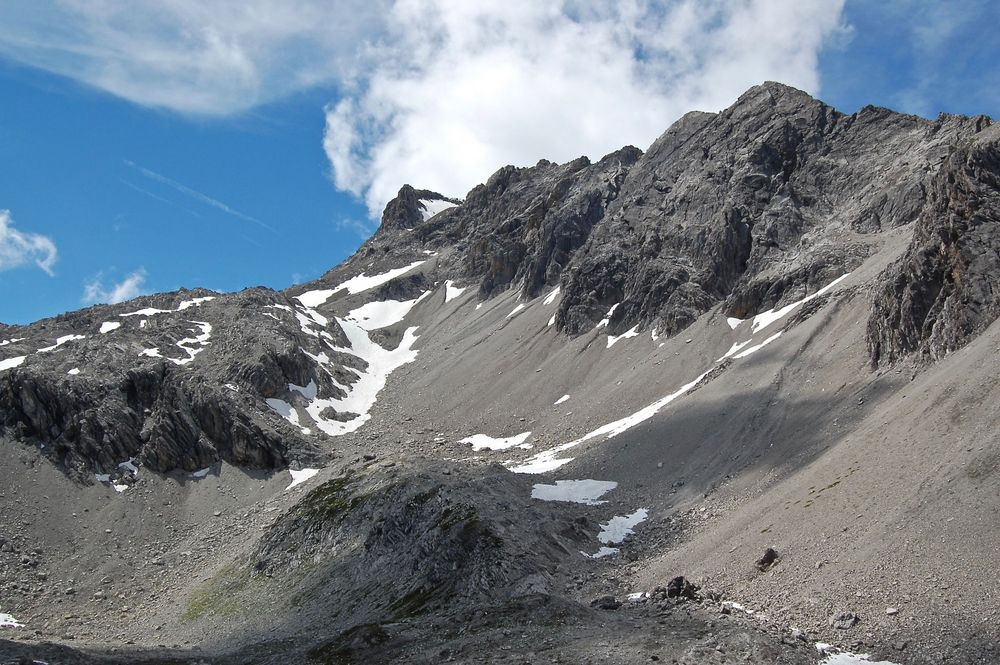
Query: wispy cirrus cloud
x,y
191,193
362,228
19,248
132,286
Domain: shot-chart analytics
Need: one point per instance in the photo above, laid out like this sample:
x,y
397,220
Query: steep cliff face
x,y
946,289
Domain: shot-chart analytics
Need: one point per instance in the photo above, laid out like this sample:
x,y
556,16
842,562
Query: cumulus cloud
x,y
132,286
18,248
458,88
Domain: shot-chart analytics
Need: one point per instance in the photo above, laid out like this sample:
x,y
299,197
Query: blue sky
x,y
256,148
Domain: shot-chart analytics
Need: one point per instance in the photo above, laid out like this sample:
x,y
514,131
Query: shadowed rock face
x,y
946,288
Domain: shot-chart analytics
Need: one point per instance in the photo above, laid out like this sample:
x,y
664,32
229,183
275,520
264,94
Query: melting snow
x,y
654,335
201,473
548,460
620,526
451,291
186,304
764,319
733,322
194,345
516,310
757,347
632,332
7,621
11,363
152,353
108,326
603,552
845,658
607,317
552,320
551,298
382,314
12,341
364,282
308,391
284,409
59,342
301,476
432,208
481,441
575,491
74,371
560,400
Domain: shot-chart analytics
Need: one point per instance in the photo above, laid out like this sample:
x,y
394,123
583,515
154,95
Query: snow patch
x,y
517,309
551,298
764,319
186,304
108,326
484,442
574,491
758,347
364,282
308,391
433,207
383,314
560,400
7,621
733,322
607,317
549,460
151,353
201,473
284,410
621,526
12,341
11,363
59,342
552,320
845,658
300,476
451,291
194,345
601,553
631,332
74,371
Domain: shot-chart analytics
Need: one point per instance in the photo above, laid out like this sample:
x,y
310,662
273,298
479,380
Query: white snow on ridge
x,y
574,491
551,298
364,282
451,291
764,319
59,342
484,442
108,326
383,314
7,621
11,363
300,476
185,304
631,332
433,207
560,400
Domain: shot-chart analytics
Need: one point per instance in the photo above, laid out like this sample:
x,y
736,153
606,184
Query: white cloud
x,y
132,286
18,248
360,227
192,56
459,88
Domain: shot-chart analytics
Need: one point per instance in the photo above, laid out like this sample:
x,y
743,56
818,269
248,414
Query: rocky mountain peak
x,y
413,206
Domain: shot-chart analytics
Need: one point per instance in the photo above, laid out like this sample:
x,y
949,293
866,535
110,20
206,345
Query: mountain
x,y
714,402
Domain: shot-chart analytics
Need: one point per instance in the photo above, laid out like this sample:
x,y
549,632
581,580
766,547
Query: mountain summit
x,y
731,399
